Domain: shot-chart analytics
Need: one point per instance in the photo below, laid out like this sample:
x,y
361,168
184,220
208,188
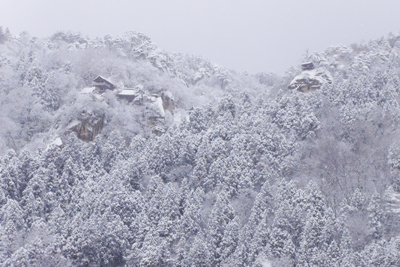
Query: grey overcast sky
x,y
244,35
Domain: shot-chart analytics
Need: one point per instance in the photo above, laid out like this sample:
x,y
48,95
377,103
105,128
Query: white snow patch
x,y
157,106
73,124
56,142
99,97
87,90
177,117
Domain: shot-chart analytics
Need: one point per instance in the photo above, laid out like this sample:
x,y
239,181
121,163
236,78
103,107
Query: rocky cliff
x,y
88,126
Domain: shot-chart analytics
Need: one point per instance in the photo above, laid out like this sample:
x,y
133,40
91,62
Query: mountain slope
x,y
245,171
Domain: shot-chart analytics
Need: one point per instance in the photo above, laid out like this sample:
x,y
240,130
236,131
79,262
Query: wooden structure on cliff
x,y
134,95
311,78
307,66
101,84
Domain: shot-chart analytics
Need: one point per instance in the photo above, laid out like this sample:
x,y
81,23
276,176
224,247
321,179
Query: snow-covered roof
x,y
138,89
307,66
100,78
128,91
103,81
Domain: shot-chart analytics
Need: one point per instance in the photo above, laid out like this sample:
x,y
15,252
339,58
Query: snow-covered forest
x,y
206,166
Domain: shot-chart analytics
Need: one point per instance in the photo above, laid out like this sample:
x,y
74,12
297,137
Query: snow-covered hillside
x,y
184,163
43,77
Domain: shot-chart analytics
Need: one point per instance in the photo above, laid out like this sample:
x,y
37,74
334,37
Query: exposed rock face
x,y
152,106
158,130
88,127
311,80
156,107
168,101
